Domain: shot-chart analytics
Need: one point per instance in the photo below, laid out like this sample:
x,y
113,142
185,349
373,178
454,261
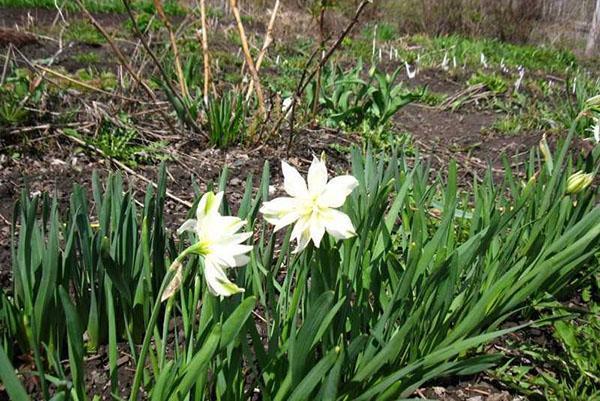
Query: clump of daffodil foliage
x,y
363,286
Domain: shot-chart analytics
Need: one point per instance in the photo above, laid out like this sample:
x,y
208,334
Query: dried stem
x,y
173,40
266,44
248,56
160,68
307,77
315,104
124,62
124,167
204,40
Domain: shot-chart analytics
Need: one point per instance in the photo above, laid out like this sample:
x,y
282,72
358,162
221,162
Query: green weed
x,y
226,120
87,58
21,89
119,140
97,6
492,81
84,32
573,374
347,100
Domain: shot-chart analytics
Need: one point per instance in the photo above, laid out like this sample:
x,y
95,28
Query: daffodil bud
x,y
593,101
175,281
545,149
578,181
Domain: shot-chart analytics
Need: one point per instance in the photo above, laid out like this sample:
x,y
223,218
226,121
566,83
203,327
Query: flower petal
x,y
300,227
188,225
337,190
241,260
281,211
303,241
217,281
226,225
293,183
317,177
317,230
338,224
209,205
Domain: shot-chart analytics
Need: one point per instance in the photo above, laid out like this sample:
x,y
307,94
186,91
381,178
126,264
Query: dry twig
x,y
248,56
203,37
307,77
124,167
124,61
266,44
173,40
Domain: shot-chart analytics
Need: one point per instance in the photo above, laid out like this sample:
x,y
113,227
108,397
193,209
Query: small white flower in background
x,y
312,207
520,78
286,107
596,130
445,62
483,60
410,74
218,242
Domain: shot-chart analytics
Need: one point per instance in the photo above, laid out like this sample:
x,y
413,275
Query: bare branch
x,y
248,56
203,37
124,62
178,70
266,44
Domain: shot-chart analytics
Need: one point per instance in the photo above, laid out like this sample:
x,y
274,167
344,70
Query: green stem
x,y
31,331
139,370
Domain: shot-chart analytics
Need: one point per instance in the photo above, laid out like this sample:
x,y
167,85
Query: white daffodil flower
x,y
312,207
218,242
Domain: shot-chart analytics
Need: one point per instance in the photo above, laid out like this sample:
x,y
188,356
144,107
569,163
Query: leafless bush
x,y
563,23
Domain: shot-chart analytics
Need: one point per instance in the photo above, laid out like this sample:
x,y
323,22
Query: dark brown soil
x,y
462,136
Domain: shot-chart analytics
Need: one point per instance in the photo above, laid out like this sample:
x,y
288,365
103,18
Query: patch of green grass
x,y
101,79
431,98
145,22
509,125
492,81
359,48
87,58
385,32
97,6
84,32
571,374
468,51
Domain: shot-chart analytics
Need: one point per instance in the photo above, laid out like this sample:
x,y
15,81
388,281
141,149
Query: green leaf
x,y
75,344
11,383
234,324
